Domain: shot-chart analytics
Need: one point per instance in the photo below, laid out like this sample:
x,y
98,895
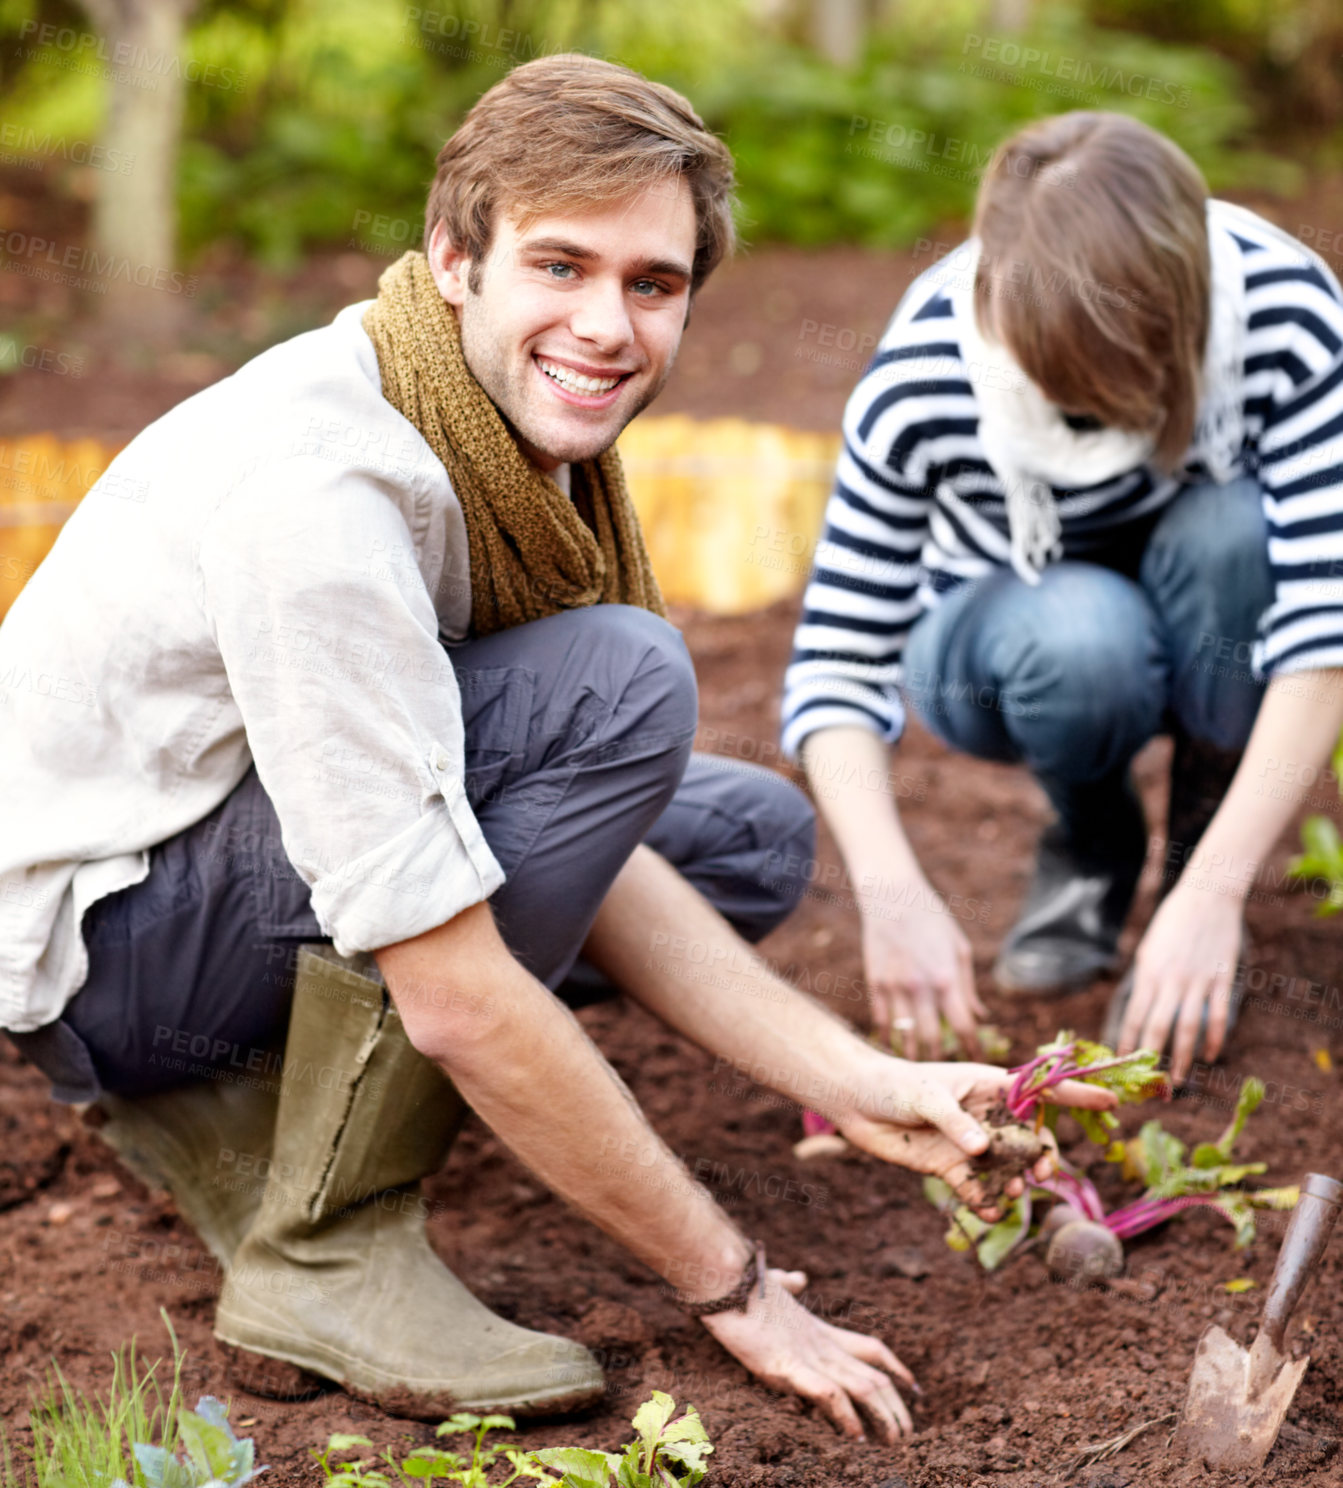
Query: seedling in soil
x,y
425,1464
1322,857
994,1045
215,1457
668,1453
83,1443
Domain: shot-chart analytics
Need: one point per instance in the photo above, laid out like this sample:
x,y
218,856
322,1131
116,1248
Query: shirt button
x,y
441,760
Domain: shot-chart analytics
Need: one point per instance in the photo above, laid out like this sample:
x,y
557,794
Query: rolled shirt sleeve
x,y
348,699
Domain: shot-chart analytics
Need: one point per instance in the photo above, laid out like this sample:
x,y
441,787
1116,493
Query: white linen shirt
x,y
261,576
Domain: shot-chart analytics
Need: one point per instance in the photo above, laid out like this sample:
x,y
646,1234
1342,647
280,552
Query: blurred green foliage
x,y
335,109
1289,52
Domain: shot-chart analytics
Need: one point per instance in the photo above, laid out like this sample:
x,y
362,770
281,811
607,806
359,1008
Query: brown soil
x,y
1017,1373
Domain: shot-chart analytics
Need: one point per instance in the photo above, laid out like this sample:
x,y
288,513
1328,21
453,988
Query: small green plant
x,y
1322,859
668,1453
215,1457
425,1464
1322,855
83,1443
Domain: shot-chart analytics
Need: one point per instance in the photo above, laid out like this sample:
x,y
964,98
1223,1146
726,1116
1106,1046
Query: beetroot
x,y
1013,1151
1083,1249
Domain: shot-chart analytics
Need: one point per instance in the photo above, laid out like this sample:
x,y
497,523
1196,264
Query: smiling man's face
x,y
576,318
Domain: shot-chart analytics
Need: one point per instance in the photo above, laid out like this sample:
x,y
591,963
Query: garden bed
x,y
1018,1374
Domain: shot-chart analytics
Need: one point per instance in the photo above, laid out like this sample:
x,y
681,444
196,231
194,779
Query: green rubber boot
x,y
336,1275
204,1144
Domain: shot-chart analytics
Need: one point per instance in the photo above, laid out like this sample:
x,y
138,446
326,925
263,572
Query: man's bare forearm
x,y
662,943
524,1064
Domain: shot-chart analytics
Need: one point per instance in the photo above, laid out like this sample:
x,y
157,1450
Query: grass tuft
x,y
86,1443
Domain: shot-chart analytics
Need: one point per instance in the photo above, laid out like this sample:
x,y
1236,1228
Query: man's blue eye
x,y
647,287
560,270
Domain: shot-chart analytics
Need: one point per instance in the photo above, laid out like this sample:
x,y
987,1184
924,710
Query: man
x,y
258,740
1094,470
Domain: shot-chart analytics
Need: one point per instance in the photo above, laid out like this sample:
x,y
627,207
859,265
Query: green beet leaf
x,y
688,1430
464,1421
1275,1198
582,1467
1319,836
215,1457
1236,1208
1002,1236
154,1463
690,1459
651,1417
213,1450
1211,1154
431,1462
939,1194
1156,1153
340,1442
1097,1125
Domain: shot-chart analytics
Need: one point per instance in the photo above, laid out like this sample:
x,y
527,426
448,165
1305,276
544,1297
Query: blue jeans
x,y
1072,676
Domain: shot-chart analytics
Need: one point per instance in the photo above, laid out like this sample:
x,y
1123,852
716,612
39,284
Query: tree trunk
x,y
135,214
1011,15
837,30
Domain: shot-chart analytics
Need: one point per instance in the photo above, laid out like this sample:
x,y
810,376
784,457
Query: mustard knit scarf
x,y
531,552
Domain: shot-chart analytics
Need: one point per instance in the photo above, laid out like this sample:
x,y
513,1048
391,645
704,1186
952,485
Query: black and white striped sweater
x,y
916,508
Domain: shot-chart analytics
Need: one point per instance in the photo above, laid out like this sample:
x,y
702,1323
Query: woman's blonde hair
x,y
571,131
1094,271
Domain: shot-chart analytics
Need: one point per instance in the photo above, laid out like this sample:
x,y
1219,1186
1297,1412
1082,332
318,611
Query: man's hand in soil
x,y
526,1067
789,1347
926,1117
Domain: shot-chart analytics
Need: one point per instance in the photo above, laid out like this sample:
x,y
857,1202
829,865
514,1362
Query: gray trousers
x,y
578,733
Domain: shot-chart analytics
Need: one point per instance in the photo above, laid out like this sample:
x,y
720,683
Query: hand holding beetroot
x,y
930,1117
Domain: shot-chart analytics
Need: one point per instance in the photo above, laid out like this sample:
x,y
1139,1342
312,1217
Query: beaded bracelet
x,y
739,1297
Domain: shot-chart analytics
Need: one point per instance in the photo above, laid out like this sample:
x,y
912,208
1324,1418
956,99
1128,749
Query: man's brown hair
x,y
571,131
1094,271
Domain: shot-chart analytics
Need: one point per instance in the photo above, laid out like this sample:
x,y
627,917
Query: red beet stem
x,y
1078,1193
1146,1214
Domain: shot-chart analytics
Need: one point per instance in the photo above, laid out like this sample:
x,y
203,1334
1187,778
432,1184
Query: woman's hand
x,y
927,1117
1185,963
787,1346
918,964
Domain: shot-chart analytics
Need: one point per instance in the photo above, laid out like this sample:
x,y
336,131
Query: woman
x,y
1091,490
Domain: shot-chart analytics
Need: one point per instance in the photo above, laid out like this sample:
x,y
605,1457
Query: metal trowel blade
x,y
1238,1399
